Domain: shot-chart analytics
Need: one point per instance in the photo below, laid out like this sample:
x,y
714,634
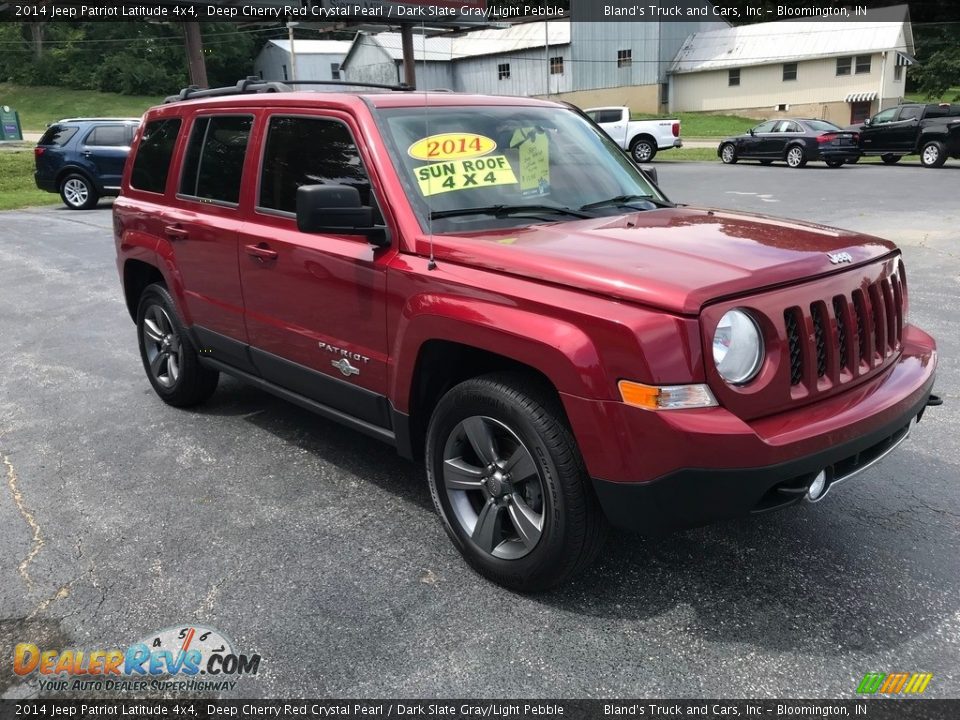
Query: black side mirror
x,y
650,172
336,209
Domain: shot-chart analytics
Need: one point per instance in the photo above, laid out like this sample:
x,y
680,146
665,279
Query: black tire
x,y
834,162
643,149
177,377
933,154
795,157
890,159
78,192
530,418
766,162
728,154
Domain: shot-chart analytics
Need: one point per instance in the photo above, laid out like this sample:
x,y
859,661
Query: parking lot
x,y
319,549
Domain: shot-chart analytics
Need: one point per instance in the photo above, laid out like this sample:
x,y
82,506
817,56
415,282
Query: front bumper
x,y
677,469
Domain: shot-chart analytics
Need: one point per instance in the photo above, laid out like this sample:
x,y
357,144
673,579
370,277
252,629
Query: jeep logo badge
x,y
344,366
840,257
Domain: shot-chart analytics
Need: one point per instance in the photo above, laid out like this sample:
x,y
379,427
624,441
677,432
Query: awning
x,y
903,59
861,97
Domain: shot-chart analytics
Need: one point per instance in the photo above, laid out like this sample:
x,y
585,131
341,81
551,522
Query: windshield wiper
x,y
624,200
504,210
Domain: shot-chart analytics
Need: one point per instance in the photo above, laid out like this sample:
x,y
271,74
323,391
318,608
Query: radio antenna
x,y
431,262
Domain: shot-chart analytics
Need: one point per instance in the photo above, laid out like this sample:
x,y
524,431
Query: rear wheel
x,y
933,154
890,159
642,149
728,153
509,483
78,193
833,162
795,157
169,356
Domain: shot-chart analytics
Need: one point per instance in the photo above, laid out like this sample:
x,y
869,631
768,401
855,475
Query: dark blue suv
x,y
83,158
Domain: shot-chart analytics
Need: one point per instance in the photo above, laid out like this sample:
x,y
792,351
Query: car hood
x,y
677,259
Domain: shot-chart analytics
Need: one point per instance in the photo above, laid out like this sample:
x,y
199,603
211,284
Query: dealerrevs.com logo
x,y
894,683
190,658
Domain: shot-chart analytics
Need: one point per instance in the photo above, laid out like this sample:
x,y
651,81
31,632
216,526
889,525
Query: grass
x,y
706,124
949,96
40,106
17,188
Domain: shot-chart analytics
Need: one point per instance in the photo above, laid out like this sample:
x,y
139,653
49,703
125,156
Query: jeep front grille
x,y
825,348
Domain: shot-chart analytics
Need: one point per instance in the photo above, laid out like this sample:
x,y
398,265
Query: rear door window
x,y
213,166
57,135
152,163
308,151
108,136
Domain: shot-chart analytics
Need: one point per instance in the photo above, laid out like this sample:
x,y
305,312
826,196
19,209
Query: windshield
x,y
478,168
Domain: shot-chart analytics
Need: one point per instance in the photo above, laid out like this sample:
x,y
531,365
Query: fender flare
x,y
562,352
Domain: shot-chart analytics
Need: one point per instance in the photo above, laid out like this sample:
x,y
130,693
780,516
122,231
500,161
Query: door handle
x,y
261,252
176,232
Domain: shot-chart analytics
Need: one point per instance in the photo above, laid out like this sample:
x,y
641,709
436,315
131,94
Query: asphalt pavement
x,y
319,549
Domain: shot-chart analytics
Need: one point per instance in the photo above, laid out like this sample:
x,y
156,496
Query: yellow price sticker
x,y
451,146
444,177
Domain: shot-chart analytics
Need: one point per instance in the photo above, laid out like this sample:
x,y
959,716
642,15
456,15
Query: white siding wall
x,y
271,60
763,85
370,63
528,73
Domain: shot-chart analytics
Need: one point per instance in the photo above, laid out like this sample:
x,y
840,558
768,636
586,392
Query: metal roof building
x,y
589,63
840,70
316,59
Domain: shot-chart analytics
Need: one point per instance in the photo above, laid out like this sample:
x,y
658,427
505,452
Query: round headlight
x,y
737,347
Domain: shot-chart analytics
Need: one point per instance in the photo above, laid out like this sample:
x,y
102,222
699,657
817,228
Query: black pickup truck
x,y
931,131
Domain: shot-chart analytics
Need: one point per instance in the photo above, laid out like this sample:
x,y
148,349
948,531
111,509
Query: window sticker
x,y
534,161
451,146
444,177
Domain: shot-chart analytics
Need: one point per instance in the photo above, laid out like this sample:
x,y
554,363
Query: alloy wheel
x,y
162,345
794,157
494,487
930,154
76,192
642,151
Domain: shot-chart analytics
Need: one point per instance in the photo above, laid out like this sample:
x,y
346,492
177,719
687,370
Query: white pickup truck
x,y
643,138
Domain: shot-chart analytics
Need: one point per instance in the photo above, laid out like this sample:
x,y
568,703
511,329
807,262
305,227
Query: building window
x,y
334,71
843,65
503,71
556,65
863,64
733,77
285,72
789,71
624,58
898,73
665,93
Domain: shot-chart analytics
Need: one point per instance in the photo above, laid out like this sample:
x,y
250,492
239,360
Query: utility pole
x,y
406,43
293,52
195,62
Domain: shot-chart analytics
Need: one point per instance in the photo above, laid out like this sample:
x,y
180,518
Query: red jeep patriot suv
x,y
491,284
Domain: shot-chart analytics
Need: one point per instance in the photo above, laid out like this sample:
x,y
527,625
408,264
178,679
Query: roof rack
x,y
98,119
253,84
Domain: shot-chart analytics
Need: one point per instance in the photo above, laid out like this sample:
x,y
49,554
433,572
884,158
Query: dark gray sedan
x,y
795,141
